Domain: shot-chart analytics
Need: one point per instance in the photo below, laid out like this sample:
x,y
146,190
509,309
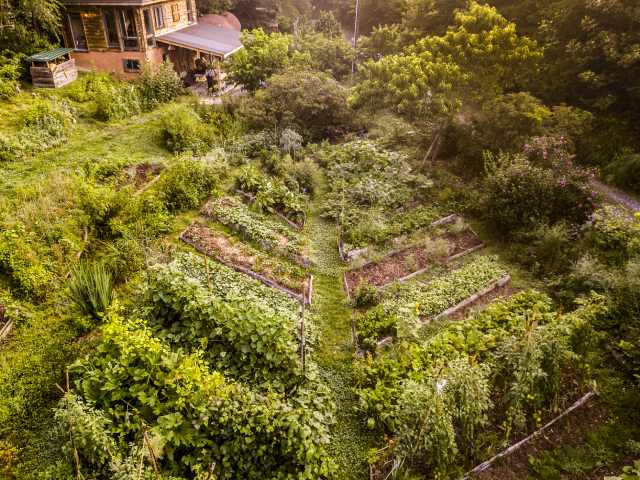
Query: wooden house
x,y
121,35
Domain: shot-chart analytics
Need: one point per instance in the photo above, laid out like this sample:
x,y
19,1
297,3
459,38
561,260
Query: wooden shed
x,y
53,68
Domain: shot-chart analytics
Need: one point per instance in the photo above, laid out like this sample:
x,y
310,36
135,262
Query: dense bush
x,y
613,234
184,131
21,263
11,68
116,101
519,195
89,86
309,102
625,171
203,418
186,183
158,84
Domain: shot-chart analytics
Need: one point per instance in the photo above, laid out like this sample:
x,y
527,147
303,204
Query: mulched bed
x,y
398,265
218,246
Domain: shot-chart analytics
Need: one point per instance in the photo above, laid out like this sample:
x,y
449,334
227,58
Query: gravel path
x,y
616,196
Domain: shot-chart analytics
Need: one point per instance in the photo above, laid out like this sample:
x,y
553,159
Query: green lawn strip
x,y
350,440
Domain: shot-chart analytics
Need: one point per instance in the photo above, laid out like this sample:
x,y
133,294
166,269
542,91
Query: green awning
x,y
49,55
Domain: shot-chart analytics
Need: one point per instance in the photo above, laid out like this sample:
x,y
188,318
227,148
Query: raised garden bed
x,y
251,198
243,259
5,324
271,235
405,264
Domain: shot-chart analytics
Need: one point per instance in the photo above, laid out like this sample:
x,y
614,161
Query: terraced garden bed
x,y
409,262
271,235
242,258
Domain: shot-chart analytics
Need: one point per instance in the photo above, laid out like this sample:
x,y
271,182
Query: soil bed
x,y
237,255
408,262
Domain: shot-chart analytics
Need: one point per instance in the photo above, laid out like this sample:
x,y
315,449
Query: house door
x,y
77,32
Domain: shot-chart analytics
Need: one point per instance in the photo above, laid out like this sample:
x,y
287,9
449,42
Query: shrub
x,y
183,131
613,234
519,195
186,183
625,171
311,103
91,288
10,72
158,84
117,101
89,86
374,325
21,263
366,295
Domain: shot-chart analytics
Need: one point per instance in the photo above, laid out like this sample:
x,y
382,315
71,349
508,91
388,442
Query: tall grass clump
x,y
91,288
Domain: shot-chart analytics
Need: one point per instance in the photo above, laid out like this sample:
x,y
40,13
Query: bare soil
x,y
143,173
217,245
402,263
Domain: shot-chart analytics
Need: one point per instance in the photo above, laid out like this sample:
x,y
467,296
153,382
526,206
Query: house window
x,y
110,28
148,27
189,11
77,32
158,12
131,65
128,29
175,12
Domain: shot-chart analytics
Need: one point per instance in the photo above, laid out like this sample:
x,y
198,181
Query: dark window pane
x,y
77,32
129,31
111,29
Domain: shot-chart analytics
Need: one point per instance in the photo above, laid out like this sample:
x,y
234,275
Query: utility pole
x,y
355,38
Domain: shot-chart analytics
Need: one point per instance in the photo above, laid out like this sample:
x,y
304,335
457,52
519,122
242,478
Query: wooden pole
x,y
355,38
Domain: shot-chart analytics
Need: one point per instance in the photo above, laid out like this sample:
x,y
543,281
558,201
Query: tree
x,y
215,6
29,26
263,55
257,13
332,55
311,103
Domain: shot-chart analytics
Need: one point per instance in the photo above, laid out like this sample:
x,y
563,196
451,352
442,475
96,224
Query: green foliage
x,y
625,171
89,86
158,84
263,55
369,190
91,288
333,55
312,103
518,194
203,417
271,195
412,300
366,295
20,261
243,341
116,101
613,234
186,183
10,72
374,325
184,131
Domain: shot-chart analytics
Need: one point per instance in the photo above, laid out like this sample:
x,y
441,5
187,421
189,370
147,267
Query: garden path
x,y
616,195
332,315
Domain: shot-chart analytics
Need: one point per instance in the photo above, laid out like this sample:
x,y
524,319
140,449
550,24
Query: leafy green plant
x,y
366,295
186,183
158,84
183,131
91,288
116,101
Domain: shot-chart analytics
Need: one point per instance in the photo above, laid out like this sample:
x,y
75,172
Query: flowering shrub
x,y
519,194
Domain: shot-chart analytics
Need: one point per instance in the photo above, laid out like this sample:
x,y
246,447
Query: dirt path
x,y
615,195
350,440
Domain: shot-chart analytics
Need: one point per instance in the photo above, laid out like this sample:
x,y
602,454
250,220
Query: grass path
x,y
334,354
